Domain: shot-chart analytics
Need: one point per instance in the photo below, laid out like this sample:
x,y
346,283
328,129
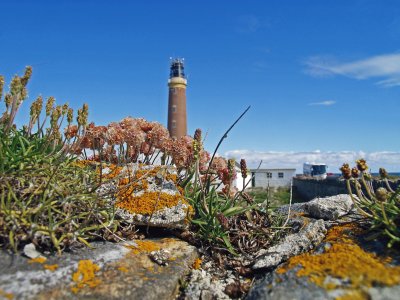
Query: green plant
x,y
45,197
224,217
275,197
381,206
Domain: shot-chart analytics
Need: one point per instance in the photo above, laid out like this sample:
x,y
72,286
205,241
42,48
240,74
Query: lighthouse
x,y
177,122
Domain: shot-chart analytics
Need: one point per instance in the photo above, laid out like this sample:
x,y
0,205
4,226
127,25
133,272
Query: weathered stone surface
x,y
203,285
384,293
24,279
152,186
208,283
286,286
289,286
309,236
327,208
341,266
168,217
125,273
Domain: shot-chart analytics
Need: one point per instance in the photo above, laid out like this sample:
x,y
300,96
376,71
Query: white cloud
x,y
386,67
275,159
323,103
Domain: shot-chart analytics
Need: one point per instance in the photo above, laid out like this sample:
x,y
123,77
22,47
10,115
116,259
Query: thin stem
x,y
220,142
290,203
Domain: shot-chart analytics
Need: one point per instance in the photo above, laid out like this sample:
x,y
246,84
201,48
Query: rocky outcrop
x,y
111,271
304,240
342,265
146,195
329,208
326,208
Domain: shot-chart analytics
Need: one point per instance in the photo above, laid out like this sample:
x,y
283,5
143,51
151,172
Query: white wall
x,y
239,180
261,179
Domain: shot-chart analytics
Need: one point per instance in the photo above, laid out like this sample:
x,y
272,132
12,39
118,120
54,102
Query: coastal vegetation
x,y
380,205
53,168
62,180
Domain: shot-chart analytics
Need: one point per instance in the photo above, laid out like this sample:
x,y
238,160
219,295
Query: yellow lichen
x,y
197,264
38,260
130,183
83,163
144,247
51,268
6,295
114,172
148,202
123,269
85,276
344,260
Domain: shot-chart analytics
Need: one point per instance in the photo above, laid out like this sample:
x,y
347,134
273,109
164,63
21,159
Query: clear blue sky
x,y
319,75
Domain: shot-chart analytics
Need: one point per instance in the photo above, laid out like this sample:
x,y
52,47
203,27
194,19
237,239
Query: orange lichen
x,y
6,295
128,186
83,163
144,247
344,260
85,276
51,268
197,264
38,260
114,172
123,269
156,171
148,202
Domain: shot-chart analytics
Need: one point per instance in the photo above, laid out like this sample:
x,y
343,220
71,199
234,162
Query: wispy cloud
x,y
323,103
248,24
274,159
386,67
259,66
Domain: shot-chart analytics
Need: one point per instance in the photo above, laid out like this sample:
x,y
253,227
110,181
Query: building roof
x,y
272,169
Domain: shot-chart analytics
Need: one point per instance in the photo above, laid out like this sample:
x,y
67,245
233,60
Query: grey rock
x,y
385,293
323,247
297,208
31,252
286,287
203,284
161,257
167,217
123,274
329,208
304,240
276,286
24,280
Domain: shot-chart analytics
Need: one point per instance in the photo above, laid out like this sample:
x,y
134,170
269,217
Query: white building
x,y
271,177
239,179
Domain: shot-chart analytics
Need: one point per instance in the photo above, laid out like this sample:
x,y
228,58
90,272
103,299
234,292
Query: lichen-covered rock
x,y
342,267
108,271
205,284
304,240
145,195
286,286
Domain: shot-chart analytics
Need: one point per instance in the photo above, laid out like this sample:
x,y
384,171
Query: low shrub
x,y
380,206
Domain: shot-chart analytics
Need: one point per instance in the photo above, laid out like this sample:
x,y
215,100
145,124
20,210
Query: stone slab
x,y
123,273
306,239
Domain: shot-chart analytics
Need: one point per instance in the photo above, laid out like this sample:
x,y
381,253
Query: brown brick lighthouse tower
x,y
177,124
